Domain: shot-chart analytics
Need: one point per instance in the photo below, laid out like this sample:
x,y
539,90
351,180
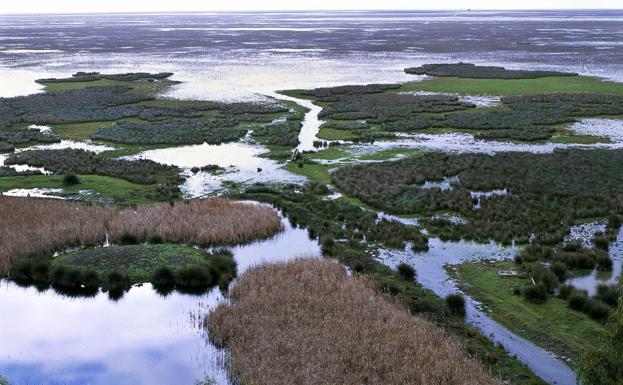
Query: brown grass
x,y
32,225
307,323
199,222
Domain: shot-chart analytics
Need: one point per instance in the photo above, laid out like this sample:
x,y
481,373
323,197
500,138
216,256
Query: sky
x,y
84,6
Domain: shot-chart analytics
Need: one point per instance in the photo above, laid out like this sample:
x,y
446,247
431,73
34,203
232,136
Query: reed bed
x,y
32,225
205,222
44,225
307,322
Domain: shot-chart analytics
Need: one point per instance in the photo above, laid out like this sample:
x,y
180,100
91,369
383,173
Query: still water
x,y
142,339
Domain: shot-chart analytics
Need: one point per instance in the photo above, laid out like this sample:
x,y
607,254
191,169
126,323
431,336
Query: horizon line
x,y
164,12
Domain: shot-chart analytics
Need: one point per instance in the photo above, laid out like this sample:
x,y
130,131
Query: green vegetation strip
x,y
551,325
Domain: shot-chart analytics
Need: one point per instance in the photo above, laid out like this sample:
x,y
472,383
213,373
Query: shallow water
x,y
241,160
607,128
590,281
466,143
431,273
143,339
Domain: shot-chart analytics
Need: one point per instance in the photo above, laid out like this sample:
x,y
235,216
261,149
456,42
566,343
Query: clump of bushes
x,y
128,238
219,268
456,304
535,293
71,180
156,239
406,271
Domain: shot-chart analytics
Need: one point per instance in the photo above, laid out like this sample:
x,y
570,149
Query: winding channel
x,y
292,243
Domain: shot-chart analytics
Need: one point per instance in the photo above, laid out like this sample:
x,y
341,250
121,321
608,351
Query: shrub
x,y
609,294
614,222
560,270
604,262
163,277
456,304
156,239
578,300
596,309
406,271
193,277
71,180
128,238
116,281
564,291
535,293
327,244
90,279
601,242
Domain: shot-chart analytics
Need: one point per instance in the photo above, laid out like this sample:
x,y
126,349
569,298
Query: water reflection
x,y
242,163
141,339
595,278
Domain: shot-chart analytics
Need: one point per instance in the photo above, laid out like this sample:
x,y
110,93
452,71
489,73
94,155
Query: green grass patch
x,y
137,261
551,325
78,131
64,86
578,139
333,134
330,153
553,84
105,188
317,172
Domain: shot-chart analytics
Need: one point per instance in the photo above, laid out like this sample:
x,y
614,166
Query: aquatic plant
x,y
456,304
163,277
561,187
406,271
342,331
193,277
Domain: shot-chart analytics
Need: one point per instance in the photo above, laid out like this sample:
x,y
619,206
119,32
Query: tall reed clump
x,y
307,322
45,225
204,222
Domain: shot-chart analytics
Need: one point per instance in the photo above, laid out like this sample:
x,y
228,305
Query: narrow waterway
x,y
431,273
311,122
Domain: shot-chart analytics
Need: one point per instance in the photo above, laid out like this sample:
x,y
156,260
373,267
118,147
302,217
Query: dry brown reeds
x,y
44,225
307,322
200,222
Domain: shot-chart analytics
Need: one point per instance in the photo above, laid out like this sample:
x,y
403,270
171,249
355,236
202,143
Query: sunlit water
x,y
242,163
142,339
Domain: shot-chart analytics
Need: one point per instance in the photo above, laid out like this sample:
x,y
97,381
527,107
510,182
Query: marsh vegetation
x,y
34,226
342,331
